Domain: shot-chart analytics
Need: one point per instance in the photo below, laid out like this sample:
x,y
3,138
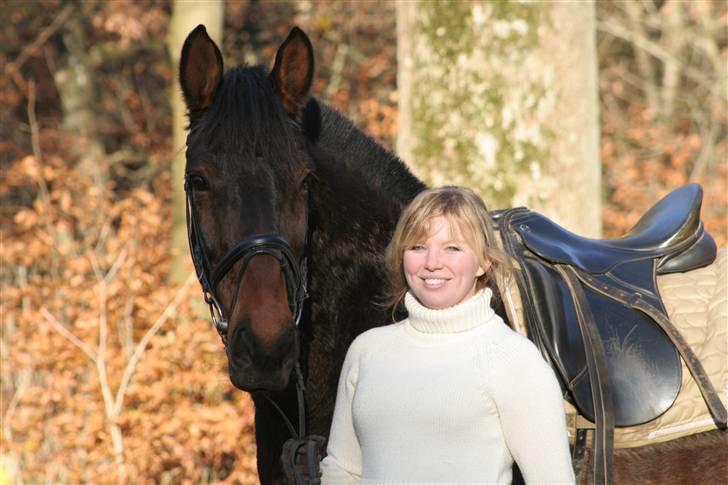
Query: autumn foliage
x,y
110,373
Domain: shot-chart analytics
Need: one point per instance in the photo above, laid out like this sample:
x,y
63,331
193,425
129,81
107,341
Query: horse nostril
x,y
240,347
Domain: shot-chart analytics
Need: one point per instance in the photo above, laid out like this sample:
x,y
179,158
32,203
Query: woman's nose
x,y
432,260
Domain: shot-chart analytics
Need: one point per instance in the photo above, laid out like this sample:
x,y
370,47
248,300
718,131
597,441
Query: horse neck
x,y
356,154
361,187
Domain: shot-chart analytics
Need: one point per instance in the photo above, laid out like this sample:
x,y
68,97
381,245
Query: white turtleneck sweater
x,y
446,396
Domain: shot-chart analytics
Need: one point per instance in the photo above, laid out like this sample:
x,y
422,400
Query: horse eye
x,y
196,182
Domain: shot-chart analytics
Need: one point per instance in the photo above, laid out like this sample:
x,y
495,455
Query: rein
x,y
295,273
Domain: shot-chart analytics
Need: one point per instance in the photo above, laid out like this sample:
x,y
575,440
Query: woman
x,y
450,394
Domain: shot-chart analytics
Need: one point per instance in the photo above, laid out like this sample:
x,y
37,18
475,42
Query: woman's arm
x,y
343,463
532,415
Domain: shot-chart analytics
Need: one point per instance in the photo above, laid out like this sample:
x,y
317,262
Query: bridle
x,y
295,272
271,244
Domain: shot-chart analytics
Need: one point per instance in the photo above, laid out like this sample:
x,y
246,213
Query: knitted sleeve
x,y
531,411
342,465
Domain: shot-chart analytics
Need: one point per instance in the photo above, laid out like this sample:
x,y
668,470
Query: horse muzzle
x,y
255,367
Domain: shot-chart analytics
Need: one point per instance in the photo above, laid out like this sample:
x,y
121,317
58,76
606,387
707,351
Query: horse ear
x,y
200,69
292,73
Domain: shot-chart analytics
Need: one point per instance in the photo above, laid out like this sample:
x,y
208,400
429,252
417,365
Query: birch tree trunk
x,y
187,14
502,97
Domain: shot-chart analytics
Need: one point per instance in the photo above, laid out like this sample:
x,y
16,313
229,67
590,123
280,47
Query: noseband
x,y
274,245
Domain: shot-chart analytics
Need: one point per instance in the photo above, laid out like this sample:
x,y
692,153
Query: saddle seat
x,y
667,229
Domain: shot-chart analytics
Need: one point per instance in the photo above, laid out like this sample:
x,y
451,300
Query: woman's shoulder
x,y
513,362
506,341
375,337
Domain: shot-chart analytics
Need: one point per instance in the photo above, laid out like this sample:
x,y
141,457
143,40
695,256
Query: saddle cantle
x,y
593,308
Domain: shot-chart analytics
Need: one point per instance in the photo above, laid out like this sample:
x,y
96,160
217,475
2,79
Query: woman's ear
x,y
483,269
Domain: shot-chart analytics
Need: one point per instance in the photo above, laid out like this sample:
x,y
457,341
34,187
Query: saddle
x,y
594,310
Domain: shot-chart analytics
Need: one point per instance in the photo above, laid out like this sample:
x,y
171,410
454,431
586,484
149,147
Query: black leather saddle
x,y
594,310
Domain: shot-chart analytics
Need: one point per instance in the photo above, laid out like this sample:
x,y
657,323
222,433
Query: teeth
x,y
433,281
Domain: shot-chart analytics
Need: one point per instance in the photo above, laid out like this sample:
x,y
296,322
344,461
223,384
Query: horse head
x,y
247,196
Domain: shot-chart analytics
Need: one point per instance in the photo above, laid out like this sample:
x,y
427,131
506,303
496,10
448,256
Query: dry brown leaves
x,y
82,284
644,160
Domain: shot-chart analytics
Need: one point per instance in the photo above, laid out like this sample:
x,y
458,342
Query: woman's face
x,y
443,270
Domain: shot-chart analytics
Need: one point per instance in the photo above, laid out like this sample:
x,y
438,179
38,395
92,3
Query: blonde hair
x,y
464,210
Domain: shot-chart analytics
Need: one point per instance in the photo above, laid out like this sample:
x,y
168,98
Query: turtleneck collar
x,y
471,313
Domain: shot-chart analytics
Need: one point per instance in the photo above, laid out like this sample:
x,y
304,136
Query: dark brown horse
x,y
300,201
288,200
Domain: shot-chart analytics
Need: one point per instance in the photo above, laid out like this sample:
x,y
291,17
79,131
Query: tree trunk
x,y
185,17
502,97
74,80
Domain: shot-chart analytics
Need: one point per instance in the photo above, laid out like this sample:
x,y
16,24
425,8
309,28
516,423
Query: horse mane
x,y
358,154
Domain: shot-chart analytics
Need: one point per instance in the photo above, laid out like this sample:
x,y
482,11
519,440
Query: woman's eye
x,y
453,248
416,247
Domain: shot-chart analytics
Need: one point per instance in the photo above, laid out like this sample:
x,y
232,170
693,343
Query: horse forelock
x,y
247,121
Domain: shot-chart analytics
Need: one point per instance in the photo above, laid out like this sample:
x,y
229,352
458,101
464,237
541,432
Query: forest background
x,y
109,372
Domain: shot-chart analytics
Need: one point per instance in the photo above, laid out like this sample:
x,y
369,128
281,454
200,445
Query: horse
x,y
289,209
288,199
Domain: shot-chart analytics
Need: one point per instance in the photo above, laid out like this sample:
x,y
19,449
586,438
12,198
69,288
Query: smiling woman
x,y
443,270
445,235
439,396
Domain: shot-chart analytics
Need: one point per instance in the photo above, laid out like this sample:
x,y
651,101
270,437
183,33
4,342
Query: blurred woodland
x,y
109,374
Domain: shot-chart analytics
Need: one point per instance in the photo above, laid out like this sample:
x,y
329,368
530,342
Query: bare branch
x,y
644,61
142,345
95,265
43,36
22,386
337,68
674,40
642,42
117,438
103,234
101,361
42,186
117,264
66,333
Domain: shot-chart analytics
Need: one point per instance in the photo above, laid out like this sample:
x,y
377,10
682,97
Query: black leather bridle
x,y
295,273
275,245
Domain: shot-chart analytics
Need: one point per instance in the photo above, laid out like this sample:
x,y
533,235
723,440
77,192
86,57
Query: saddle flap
x,y
644,369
